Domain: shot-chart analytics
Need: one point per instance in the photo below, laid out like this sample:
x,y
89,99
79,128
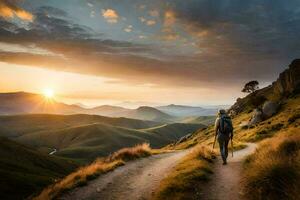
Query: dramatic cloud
x,y
196,43
110,15
9,9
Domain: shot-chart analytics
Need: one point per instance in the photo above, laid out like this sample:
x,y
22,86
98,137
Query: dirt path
x,y
225,183
136,180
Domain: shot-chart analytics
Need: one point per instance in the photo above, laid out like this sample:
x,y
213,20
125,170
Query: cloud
x,y
142,37
142,7
92,14
90,4
154,13
128,29
150,22
110,15
9,9
235,27
169,18
235,42
142,19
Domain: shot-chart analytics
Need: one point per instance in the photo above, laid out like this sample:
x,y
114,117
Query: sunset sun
x,y
48,93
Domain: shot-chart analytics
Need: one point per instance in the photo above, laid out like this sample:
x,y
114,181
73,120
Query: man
x,y
224,132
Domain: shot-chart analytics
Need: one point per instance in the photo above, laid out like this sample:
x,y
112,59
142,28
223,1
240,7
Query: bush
x,y
126,154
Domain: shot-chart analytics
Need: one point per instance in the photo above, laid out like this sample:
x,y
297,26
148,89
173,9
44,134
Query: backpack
x,y
225,125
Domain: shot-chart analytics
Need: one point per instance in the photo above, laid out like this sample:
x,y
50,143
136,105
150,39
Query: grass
x,y
100,166
24,171
127,154
190,171
273,171
85,137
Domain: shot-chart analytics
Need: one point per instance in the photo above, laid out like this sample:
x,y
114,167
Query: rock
x,y
269,109
256,117
289,80
184,138
244,124
287,83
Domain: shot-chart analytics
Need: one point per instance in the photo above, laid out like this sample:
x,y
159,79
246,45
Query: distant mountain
x,y
148,113
184,111
107,110
23,102
25,171
29,103
136,104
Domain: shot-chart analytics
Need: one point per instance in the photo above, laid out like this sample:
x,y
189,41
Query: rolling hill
x,y
29,171
206,120
84,137
148,113
14,126
186,111
86,142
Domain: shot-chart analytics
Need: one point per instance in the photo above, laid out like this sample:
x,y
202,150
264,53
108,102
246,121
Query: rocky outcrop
x,y
257,117
289,80
269,109
287,83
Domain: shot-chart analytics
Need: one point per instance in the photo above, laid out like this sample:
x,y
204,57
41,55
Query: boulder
x,y
269,109
256,117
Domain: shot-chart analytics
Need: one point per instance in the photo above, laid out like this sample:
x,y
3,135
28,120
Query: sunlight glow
x,y
48,93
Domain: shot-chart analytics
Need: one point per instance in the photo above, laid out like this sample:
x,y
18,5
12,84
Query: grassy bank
x,y
273,171
92,171
189,172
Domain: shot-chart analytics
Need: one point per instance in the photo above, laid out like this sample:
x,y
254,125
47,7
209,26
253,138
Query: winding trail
x,y
53,152
225,182
137,180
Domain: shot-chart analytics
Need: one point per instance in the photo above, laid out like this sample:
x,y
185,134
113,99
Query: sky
x,y
192,52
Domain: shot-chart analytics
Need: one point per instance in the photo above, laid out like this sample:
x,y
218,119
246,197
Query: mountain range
x,y
29,103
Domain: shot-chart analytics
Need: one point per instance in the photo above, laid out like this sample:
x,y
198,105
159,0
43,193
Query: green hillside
x,y
87,142
17,125
24,171
206,120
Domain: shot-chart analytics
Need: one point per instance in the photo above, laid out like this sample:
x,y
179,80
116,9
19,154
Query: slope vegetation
x,y
24,171
14,126
87,142
272,172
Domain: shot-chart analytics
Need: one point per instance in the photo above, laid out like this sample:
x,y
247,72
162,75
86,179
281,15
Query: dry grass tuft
x,y
126,154
191,170
83,175
273,171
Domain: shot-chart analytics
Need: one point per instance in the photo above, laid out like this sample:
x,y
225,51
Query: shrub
x,y
126,154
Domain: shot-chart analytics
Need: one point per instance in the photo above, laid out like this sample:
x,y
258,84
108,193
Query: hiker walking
x,y
224,132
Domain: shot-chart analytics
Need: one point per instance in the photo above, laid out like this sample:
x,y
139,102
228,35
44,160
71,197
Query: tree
x,y
250,87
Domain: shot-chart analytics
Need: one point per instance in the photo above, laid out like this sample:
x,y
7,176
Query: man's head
x,y
221,112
